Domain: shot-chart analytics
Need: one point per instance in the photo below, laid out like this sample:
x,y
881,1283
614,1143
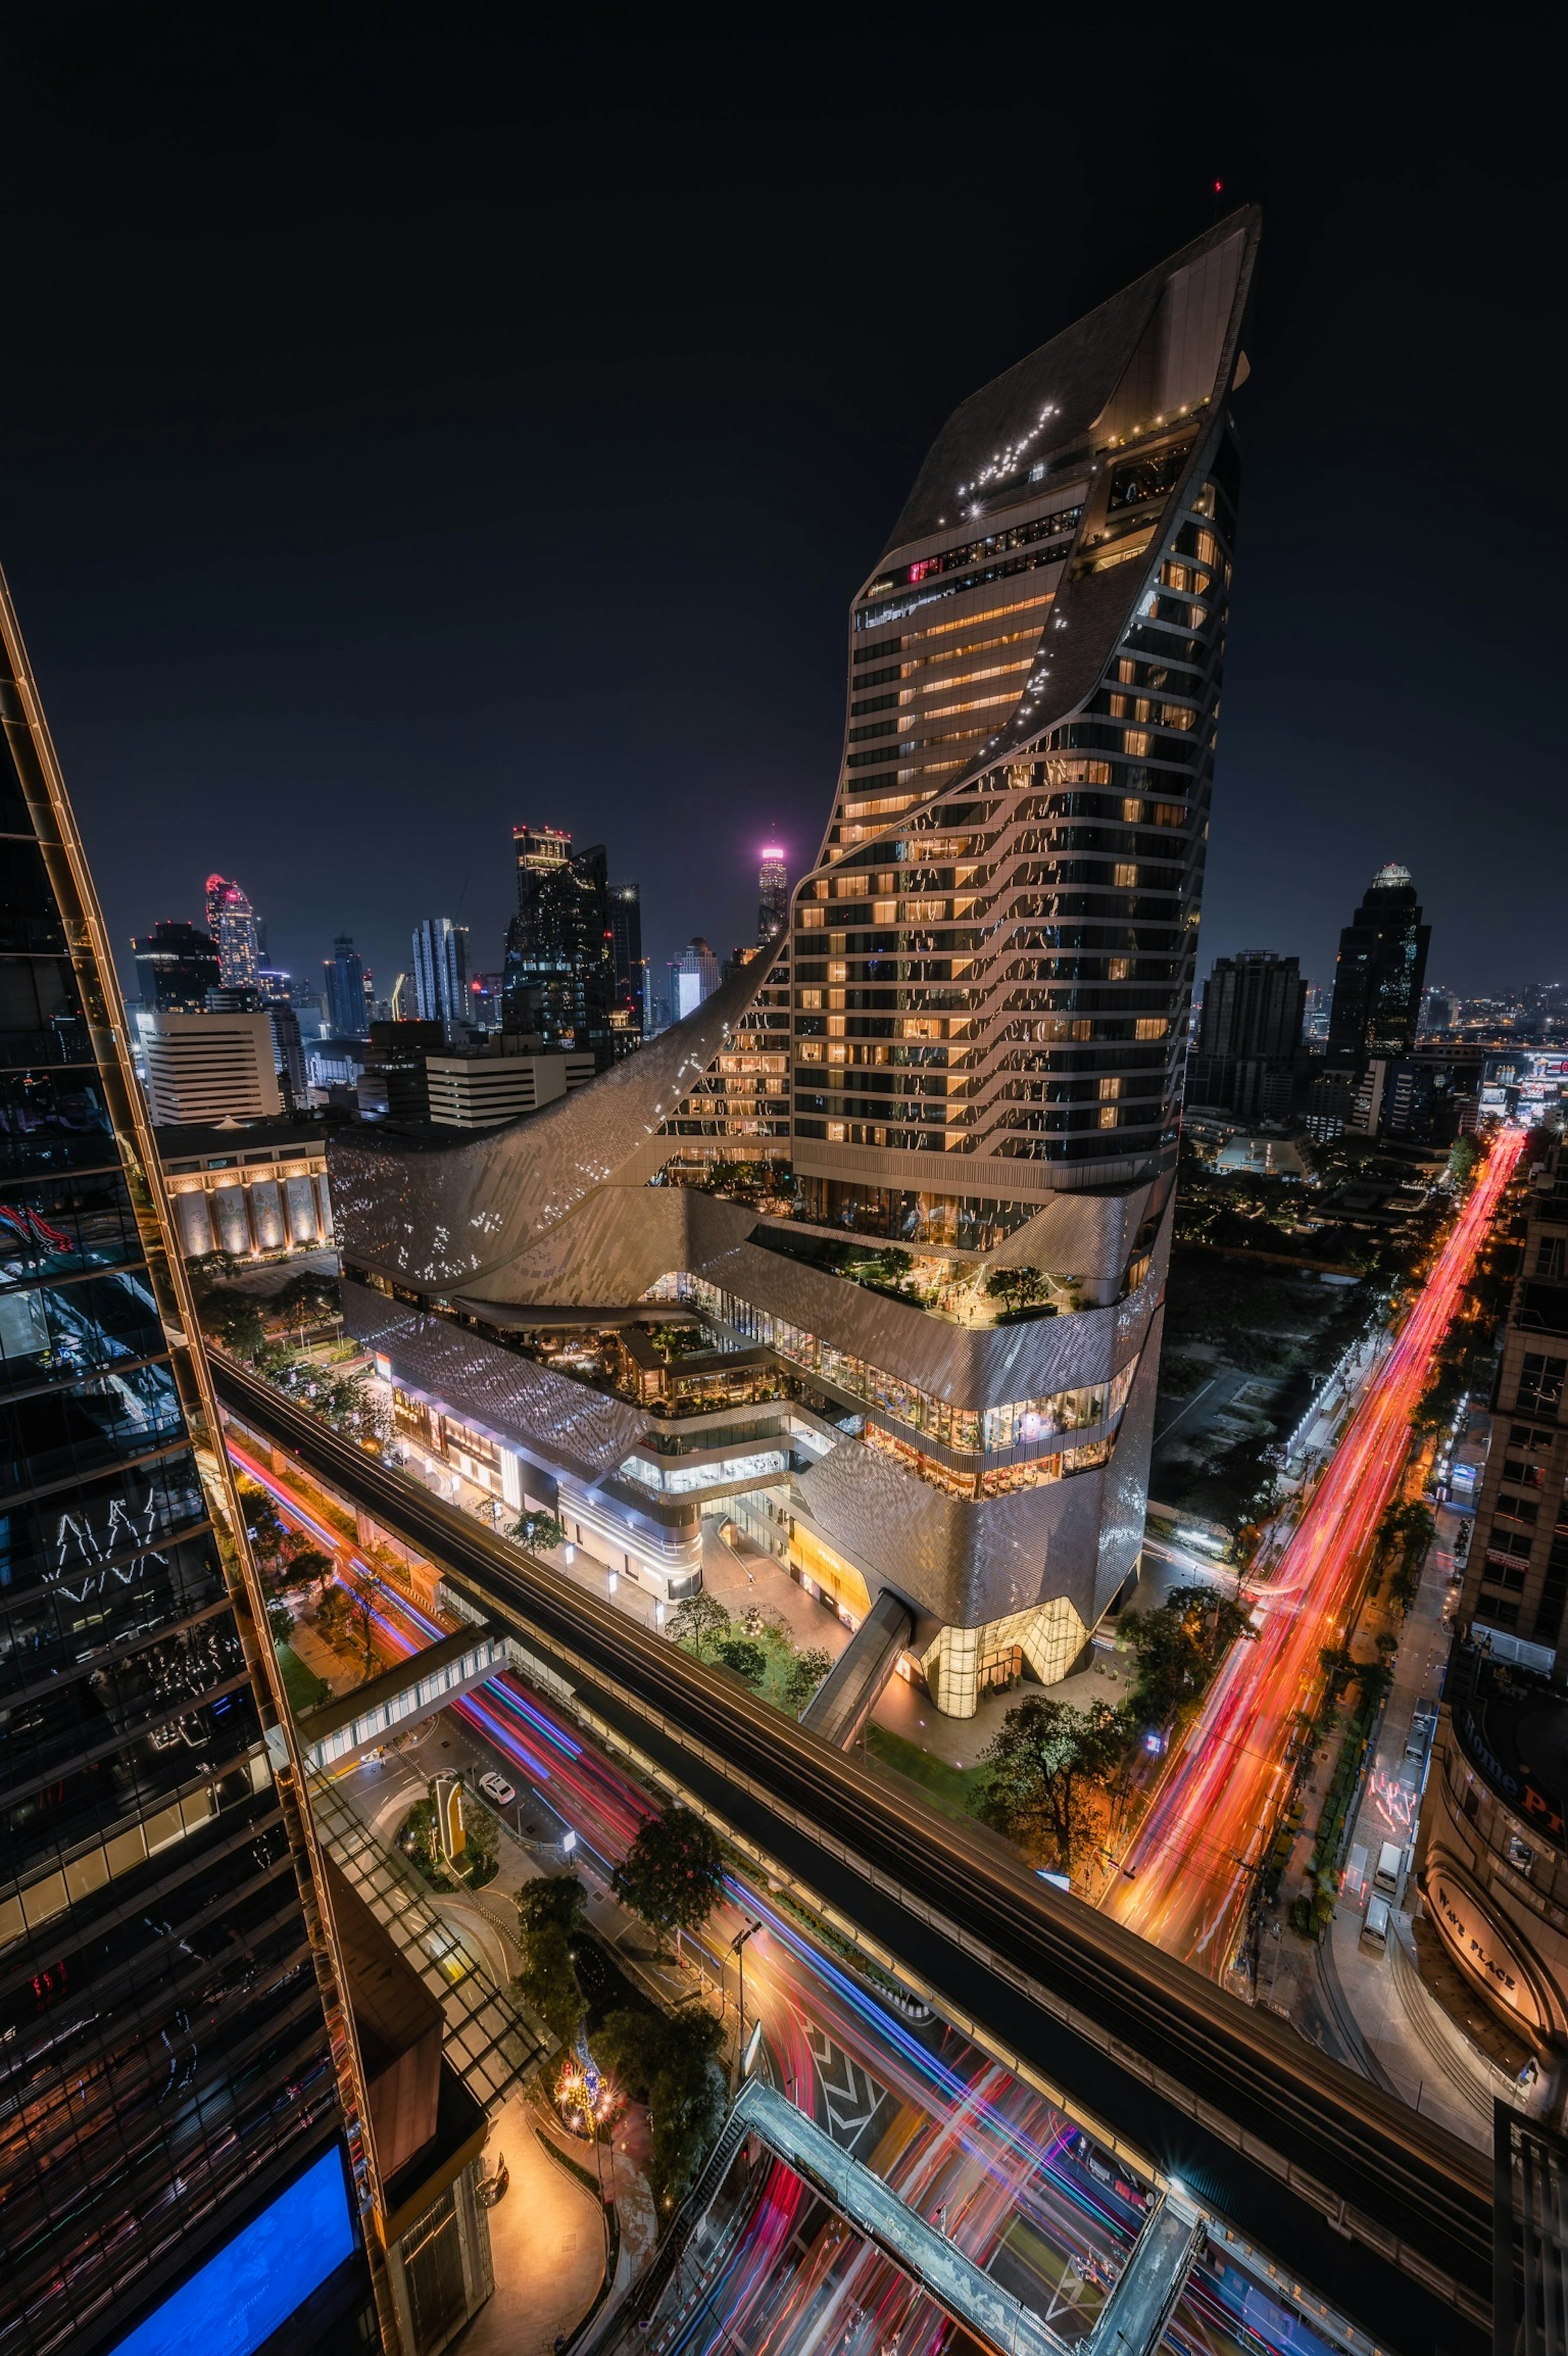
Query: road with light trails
x,y
939,2119
1302,2156
1192,1856
1019,2189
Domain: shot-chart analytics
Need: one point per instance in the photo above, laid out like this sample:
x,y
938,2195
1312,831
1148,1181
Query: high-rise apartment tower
x,y
233,925
963,1057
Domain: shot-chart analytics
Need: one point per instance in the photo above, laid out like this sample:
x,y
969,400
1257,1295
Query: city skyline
x,y
808,1369
167,501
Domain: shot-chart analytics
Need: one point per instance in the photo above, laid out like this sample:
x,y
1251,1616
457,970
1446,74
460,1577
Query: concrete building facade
x,y
204,1068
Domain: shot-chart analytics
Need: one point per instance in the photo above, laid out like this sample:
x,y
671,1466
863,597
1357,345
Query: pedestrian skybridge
x,y
410,1689
1132,2321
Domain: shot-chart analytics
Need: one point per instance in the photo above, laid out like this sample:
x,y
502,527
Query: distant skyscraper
x,y
560,981
176,967
1252,1006
485,996
772,896
441,972
1380,970
694,976
343,977
630,965
232,921
169,2072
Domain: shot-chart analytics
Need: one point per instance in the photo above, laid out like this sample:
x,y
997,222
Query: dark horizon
x,y
400,454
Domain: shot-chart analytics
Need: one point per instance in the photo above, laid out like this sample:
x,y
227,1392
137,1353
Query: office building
x,y
1492,1856
210,1067
232,924
172,2129
559,984
772,896
176,965
344,980
1249,1039
630,965
963,1059
1380,973
440,966
694,977
480,1091
485,999
1252,1006
288,1052
392,1083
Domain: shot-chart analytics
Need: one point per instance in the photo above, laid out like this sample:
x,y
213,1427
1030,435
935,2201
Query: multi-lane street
x,y
1015,2185
1186,1874
1302,2157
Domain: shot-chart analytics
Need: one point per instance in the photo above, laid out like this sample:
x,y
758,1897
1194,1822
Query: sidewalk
x,y
547,2246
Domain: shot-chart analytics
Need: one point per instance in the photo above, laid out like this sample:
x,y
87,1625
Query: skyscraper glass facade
x,y
1380,973
560,977
343,978
165,2051
440,954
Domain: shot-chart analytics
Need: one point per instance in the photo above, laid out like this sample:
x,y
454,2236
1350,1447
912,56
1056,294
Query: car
x,y
497,1789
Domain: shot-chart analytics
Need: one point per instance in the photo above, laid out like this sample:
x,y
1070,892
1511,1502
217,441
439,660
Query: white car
x,y
496,1788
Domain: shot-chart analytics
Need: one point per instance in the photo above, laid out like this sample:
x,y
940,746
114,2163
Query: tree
x,y
555,1901
233,1318
547,1983
700,1620
1017,1288
672,2059
744,1654
672,1873
280,1620
805,1673
308,1568
1462,1160
542,1532
1050,1766
1178,1647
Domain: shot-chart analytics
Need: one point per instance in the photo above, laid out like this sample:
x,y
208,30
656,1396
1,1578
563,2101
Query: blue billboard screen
x,y
240,2297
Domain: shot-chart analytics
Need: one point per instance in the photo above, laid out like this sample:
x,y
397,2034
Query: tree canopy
x,y
671,2058
1050,1765
673,1872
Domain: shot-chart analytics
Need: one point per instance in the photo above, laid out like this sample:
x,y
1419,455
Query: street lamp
x,y
738,1949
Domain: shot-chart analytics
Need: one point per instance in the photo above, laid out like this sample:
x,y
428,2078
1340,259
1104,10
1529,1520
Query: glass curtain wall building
x,y
560,976
165,2051
1380,973
910,1169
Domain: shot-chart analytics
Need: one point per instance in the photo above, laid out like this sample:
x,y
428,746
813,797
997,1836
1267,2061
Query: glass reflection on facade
x,y
163,2047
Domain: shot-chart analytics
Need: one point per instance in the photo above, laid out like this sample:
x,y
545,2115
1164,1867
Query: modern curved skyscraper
x,y
913,1166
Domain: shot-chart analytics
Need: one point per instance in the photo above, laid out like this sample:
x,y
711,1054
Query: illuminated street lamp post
x,y
738,1949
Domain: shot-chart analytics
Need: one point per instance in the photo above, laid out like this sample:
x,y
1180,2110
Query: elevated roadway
x,y
1383,2213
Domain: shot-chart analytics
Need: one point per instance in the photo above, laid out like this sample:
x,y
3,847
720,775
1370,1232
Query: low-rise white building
x,y
204,1068
482,1091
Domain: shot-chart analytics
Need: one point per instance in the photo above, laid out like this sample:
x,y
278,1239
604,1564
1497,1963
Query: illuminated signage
x,y
450,1831
1478,1940
238,2298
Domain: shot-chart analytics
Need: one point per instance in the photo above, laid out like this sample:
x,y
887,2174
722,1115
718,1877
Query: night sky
x,y
412,424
